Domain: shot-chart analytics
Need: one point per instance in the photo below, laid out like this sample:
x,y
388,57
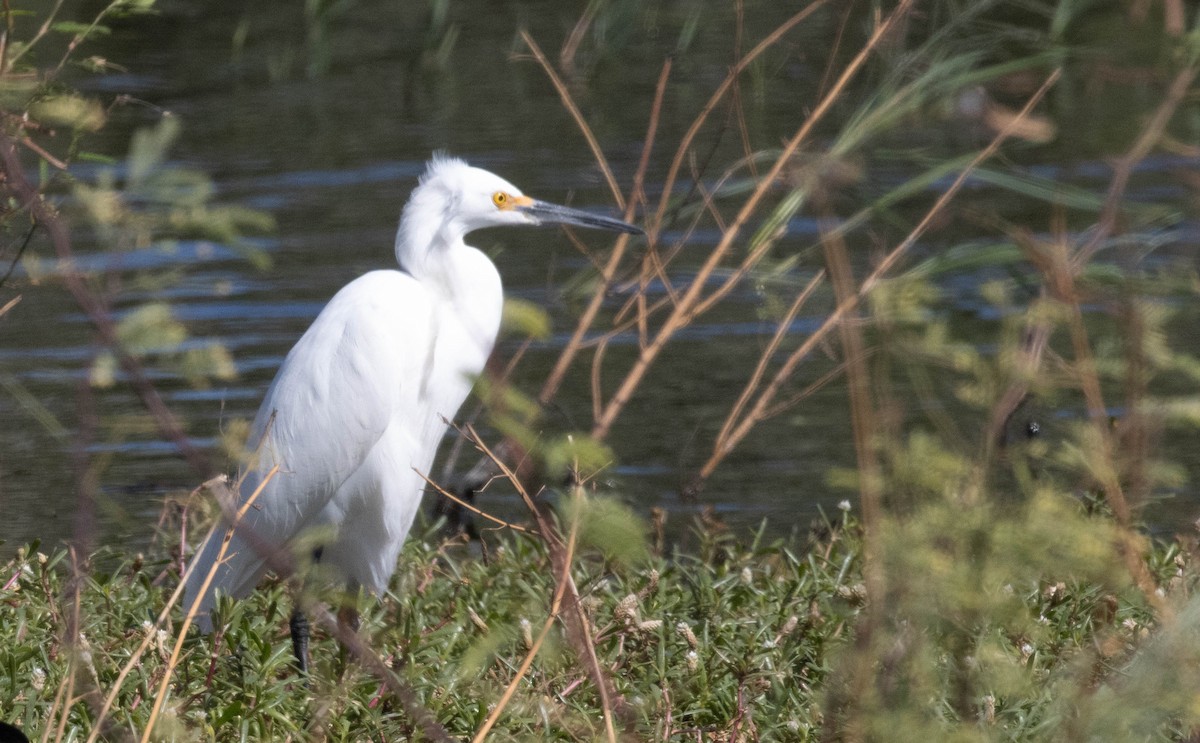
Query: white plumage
x,y
359,405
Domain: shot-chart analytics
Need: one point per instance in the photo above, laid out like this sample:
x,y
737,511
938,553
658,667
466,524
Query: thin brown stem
x,y
685,144
161,697
1151,134
478,512
862,413
588,318
850,302
366,655
578,627
723,442
566,56
1129,546
93,305
580,121
1002,136
9,305
685,311
38,35
147,639
555,609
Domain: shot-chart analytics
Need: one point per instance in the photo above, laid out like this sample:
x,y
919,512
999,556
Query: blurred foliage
x,y
70,110
735,643
154,205
1010,601
524,319
1006,624
995,570
120,214
425,35
151,330
607,526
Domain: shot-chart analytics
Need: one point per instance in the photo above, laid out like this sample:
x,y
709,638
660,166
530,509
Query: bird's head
x,y
461,199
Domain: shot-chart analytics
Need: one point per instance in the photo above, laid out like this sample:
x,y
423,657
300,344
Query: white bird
x,y
358,408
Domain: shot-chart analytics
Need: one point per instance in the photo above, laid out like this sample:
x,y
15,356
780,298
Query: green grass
x,y
728,641
729,638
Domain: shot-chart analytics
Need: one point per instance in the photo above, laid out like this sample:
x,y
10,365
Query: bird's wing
x,y
336,393
330,403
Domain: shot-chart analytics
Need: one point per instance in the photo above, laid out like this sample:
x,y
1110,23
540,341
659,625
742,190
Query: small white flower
x,y
654,577
989,709
747,575
844,506
39,679
85,650
477,620
693,660
626,610
688,635
790,625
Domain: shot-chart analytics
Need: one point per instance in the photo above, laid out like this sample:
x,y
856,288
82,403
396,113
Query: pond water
x,y
325,124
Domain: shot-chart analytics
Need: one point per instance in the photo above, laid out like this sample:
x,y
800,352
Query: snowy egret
x,y
356,411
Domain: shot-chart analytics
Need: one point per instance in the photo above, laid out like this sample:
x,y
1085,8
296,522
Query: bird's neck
x,y
457,274
433,254
423,247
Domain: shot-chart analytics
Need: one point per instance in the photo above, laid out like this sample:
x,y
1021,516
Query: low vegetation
x,y
989,635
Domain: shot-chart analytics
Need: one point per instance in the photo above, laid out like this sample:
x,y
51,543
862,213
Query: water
x,y
332,156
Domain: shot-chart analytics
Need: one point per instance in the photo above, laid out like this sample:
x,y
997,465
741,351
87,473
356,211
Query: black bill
x,y
546,212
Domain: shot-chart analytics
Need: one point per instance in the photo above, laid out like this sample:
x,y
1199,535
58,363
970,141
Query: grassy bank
x,y
721,640
729,639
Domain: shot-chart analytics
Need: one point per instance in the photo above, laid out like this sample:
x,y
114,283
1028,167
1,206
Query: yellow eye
x,y
500,199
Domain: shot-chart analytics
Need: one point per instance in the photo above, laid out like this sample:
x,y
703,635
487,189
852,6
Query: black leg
x,y
299,625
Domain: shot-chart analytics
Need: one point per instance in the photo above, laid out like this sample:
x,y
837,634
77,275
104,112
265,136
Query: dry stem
x,y
578,627
93,305
135,657
555,608
494,519
161,697
687,308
